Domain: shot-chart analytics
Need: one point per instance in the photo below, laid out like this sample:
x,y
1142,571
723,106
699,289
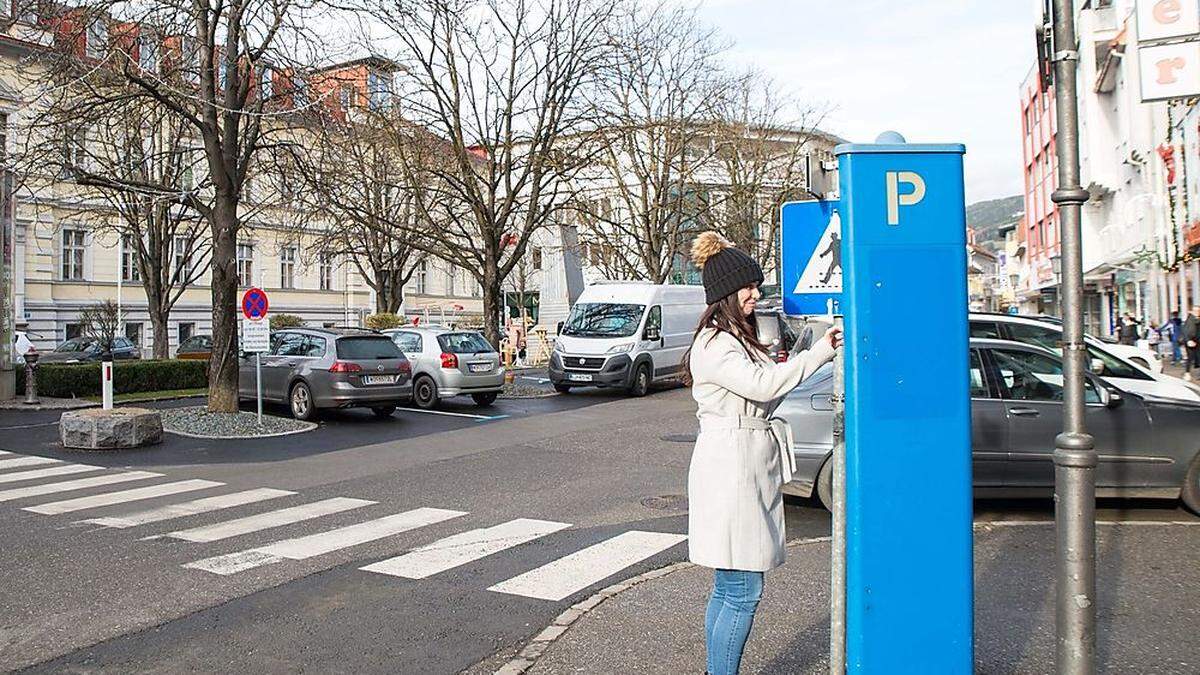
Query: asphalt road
x,y
601,470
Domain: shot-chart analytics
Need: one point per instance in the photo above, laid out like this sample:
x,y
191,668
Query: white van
x,y
625,335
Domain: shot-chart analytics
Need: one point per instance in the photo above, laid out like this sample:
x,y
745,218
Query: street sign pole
x,y
1074,449
256,336
258,383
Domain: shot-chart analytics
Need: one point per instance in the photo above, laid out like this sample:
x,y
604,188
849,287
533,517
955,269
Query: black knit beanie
x,y
725,269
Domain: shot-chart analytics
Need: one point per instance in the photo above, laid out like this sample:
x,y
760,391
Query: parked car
x,y
195,347
83,349
1147,445
448,362
315,368
1140,354
1103,357
625,336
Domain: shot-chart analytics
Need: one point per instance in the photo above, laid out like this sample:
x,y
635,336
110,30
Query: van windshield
x,y
595,319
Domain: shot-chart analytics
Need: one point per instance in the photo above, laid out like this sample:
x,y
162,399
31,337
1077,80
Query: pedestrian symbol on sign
x,y
823,271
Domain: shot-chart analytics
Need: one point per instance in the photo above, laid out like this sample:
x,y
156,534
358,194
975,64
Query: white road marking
x,y
30,426
77,484
4,452
320,543
265,521
190,508
455,414
26,461
17,476
539,380
121,497
572,573
461,549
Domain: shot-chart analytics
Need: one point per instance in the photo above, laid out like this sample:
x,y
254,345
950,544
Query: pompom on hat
x,y
724,269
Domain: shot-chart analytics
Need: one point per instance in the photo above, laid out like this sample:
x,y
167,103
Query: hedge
x,y
129,376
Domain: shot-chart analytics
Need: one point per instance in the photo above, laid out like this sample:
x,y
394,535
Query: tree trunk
x,y
492,299
223,364
158,324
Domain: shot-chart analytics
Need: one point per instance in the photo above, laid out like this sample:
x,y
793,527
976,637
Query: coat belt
x,y
780,430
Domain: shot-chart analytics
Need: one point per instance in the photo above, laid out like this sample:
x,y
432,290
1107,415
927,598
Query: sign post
x,y
256,335
908,543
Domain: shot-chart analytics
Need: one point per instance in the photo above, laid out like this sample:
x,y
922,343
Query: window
x,y
300,94
410,343
133,331
74,330
379,90
129,259
346,95
190,66
148,52
537,259
287,267
325,271
97,37
601,319
72,254
314,346
75,149
1035,335
465,343
3,137
1028,376
245,264
451,279
978,386
186,330
266,82
654,320
373,347
986,329
291,344
422,277
181,249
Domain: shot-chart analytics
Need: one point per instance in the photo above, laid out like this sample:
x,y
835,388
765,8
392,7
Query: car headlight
x,y
620,349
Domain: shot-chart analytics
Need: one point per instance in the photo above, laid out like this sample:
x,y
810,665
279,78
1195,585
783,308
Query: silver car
x,y
448,362
314,368
1147,445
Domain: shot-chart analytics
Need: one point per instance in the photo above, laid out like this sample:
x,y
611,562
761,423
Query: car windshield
x,y
373,347
602,319
464,343
76,345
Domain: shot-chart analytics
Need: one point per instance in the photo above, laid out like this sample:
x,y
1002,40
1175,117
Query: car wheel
x,y
825,485
302,404
562,388
641,381
425,392
383,411
485,399
1191,486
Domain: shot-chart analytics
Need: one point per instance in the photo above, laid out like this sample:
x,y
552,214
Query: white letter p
x,y
895,200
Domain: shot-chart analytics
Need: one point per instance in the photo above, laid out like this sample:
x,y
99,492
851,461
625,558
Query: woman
x,y
742,456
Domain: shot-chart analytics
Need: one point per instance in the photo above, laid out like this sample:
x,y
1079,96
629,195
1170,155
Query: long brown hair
x,y
725,315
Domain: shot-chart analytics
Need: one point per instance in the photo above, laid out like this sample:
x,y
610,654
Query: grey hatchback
x,y
448,362
313,368
1147,446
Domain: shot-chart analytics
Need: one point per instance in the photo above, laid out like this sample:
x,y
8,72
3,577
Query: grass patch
x,y
150,395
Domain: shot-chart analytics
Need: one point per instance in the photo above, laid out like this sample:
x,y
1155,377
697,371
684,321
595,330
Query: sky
x,y
934,70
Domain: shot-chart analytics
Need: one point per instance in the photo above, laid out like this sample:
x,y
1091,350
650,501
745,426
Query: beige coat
x,y
742,456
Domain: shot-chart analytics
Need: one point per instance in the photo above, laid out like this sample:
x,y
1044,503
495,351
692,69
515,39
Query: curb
x,y
533,650
245,438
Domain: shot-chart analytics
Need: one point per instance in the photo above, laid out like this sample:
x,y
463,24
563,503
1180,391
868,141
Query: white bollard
x,y
106,384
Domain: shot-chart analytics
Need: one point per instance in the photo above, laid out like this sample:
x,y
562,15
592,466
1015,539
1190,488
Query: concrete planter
x,y
97,429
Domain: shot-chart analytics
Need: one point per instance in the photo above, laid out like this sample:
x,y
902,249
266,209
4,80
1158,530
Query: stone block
x,y
97,429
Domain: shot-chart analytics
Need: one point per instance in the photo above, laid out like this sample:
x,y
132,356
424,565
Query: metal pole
x,y
1074,453
837,574
258,383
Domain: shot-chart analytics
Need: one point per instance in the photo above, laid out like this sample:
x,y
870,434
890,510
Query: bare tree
x,y
764,146
101,322
356,201
131,159
505,83
655,103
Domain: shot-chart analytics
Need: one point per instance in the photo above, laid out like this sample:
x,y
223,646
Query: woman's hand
x,y
834,337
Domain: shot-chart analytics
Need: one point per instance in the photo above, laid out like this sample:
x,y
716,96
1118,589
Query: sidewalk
x,y
1149,607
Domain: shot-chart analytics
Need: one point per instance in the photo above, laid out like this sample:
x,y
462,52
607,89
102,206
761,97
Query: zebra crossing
x,y
31,477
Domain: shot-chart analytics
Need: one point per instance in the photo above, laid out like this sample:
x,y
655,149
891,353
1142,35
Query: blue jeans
x,y
729,617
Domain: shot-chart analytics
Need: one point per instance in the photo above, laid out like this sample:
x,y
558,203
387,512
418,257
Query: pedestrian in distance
x,y
1175,327
1130,330
1191,340
743,455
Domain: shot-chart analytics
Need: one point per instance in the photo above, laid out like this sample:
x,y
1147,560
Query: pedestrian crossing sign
x,y
811,258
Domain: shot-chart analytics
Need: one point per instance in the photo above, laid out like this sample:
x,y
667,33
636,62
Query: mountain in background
x,y
986,218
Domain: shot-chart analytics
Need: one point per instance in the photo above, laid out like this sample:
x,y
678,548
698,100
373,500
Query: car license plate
x,y
379,379
480,367
579,377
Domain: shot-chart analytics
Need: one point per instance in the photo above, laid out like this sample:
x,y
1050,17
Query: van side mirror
x,y
558,331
